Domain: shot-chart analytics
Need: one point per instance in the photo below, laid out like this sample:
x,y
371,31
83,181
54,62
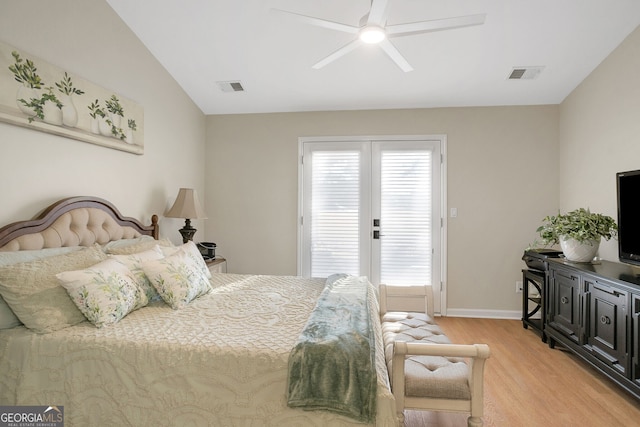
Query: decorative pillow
x,y
8,318
104,293
14,257
122,243
134,263
34,294
144,245
192,252
177,278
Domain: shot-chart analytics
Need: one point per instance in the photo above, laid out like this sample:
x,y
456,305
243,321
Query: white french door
x,y
373,207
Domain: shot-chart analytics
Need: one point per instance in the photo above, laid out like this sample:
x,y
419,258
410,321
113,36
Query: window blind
x,y
335,199
406,217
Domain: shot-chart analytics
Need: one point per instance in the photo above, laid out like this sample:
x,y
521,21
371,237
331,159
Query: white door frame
x,y
443,195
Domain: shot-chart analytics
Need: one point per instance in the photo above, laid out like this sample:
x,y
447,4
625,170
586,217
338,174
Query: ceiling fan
x,y
373,29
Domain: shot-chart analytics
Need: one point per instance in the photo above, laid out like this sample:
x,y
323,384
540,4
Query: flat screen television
x,y
628,184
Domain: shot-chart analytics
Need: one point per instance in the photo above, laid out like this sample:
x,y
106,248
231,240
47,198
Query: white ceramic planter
x,y
579,252
52,114
104,127
69,112
27,94
95,125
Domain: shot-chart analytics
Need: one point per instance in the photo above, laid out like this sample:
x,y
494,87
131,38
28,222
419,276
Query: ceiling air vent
x,y
234,86
525,73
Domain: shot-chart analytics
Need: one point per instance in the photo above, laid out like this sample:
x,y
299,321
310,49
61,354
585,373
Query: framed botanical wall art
x,y
41,96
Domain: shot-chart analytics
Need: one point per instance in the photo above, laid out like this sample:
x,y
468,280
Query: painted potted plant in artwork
x,y
131,127
25,72
116,112
47,107
578,232
98,116
69,111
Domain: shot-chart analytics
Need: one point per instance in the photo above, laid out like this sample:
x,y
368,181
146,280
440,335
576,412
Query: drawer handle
x,y
564,300
608,290
605,320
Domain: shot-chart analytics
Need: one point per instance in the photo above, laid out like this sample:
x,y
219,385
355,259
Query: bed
x,y
221,359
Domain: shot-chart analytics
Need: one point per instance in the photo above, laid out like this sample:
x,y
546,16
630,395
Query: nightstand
x,y
217,265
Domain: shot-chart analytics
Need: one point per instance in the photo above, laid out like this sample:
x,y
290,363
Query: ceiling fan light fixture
x,y
372,34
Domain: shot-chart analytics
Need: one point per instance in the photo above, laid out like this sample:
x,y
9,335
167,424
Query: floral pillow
x,y
134,263
178,278
192,252
104,293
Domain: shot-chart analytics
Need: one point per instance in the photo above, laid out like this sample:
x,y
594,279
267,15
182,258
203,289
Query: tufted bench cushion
x,y
425,376
426,370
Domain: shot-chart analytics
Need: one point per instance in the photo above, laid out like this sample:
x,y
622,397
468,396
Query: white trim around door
x,y
359,144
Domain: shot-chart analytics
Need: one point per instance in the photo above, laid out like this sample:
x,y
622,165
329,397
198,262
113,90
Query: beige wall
x,y
508,167
501,177
503,170
600,135
87,38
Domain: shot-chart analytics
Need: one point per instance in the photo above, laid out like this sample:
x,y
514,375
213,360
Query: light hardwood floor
x,y
529,384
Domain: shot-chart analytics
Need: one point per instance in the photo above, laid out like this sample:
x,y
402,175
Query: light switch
x,y
454,212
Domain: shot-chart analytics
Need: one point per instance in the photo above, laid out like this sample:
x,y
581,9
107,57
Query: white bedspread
x,y
221,361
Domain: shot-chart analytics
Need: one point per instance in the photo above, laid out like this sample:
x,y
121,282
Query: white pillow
x,y
177,278
123,243
192,252
143,245
104,293
34,293
14,257
8,319
134,263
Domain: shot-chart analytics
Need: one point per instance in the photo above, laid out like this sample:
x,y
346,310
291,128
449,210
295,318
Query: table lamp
x,y
187,206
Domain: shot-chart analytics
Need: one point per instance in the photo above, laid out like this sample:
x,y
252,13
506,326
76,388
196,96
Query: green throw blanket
x,y
332,366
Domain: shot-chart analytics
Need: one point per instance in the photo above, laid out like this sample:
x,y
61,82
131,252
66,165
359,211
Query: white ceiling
x,y
201,42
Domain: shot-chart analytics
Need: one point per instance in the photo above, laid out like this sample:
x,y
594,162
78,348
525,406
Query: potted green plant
x,y
47,107
69,112
115,110
578,232
95,110
131,127
25,72
98,117
116,113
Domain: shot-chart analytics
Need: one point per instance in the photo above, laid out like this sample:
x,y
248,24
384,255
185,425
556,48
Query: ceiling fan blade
x,y
395,55
435,25
378,12
337,54
318,22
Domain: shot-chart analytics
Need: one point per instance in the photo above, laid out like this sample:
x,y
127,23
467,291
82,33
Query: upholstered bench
x,y
427,372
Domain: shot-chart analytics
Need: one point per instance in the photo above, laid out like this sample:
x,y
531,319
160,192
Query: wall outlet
x,y
518,287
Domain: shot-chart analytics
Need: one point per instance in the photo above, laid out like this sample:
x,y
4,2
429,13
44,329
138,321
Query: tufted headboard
x,y
75,221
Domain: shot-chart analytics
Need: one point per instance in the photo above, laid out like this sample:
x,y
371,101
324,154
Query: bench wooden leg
x,y
474,422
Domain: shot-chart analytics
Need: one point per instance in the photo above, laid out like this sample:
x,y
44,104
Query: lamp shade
x,y
187,205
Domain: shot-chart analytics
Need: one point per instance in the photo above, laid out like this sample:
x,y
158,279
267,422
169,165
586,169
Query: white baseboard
x,y
487,314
